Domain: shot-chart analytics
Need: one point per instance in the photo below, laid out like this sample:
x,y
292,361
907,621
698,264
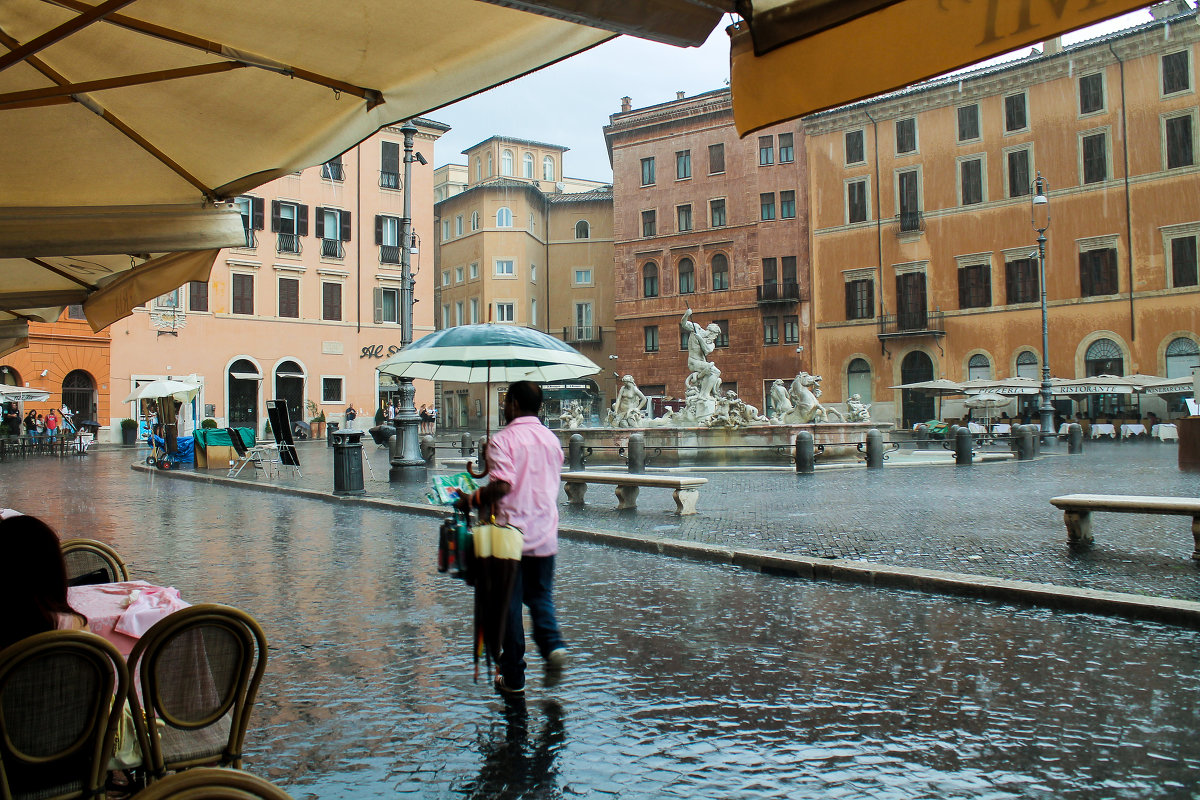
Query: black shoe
x,y
506,690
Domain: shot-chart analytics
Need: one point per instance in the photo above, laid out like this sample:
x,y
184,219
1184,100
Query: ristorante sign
x,y
379,351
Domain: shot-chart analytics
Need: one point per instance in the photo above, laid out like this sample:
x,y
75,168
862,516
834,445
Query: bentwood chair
x,y
61,699
206,783
198,672
91,561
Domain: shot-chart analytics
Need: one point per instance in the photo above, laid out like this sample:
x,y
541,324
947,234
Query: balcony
x,y
910,222
389,254
912,323
582,334
389,180
333,171
251,239
287,243
779,293
332,248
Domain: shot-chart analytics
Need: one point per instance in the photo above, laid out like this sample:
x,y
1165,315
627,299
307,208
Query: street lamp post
x,y
407,420
1040,217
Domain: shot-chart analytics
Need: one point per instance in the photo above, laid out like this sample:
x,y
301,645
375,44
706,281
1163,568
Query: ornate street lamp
x,y
1040,217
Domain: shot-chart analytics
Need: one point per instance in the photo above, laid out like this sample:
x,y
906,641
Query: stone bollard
x,y
805,458
874,449
428,449
1074,438
1024,437
921,435
1035,432
951,442
963,446
637,453
575,452
464,445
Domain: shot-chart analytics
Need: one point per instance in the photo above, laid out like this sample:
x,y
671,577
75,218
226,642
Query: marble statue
x,y
733,412
781,402
572,416
705,378
804,393
857,410
628,406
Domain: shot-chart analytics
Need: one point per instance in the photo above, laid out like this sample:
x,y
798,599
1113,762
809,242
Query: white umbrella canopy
x,y
987,400
1005,386
164,387
19,394
1099,384
937,386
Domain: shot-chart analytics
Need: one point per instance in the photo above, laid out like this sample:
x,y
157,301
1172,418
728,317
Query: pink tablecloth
x,y
116,613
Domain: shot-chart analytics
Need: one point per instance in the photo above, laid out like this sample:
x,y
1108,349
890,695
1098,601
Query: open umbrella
x,y
938,387
987,402
164,387
19,394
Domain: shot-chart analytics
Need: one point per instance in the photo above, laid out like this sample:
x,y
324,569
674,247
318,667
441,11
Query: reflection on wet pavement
x,y
688,680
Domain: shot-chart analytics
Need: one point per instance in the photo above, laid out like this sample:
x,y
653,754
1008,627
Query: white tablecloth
x,y
975,427
1103,429
1002,427
1165,432
1064,428
1135,429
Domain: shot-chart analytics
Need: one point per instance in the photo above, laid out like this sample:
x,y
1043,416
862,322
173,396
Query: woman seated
x,y
34,595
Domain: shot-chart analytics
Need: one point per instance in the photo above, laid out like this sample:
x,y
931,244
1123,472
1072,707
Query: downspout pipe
x,y
878,219
1128,204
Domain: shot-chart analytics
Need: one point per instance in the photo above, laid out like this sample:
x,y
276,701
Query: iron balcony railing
x,y
251,238
389,254
288,243
913,323
333,172
389,180
582,334
331,248
779,293
911,222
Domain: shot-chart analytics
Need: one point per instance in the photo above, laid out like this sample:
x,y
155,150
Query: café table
x,y
1165,432
1001,427
1103,429
122,612
975,427
1132,429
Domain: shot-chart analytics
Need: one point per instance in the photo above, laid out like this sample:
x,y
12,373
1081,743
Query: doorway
x,y
917,406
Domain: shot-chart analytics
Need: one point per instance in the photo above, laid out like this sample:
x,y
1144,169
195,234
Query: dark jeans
x,y
534,588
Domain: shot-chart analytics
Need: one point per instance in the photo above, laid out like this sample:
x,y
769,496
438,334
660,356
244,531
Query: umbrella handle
x,y
483,465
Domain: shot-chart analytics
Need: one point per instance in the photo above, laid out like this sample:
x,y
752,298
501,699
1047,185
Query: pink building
x,y
308,309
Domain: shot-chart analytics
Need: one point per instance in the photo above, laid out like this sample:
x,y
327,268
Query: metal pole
x,y
1047,407
407,420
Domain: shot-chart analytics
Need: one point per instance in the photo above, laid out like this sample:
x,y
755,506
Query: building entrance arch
x,y
79,395
917,406
242,393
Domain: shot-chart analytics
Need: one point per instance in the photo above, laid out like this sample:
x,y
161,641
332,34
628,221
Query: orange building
x,y
69,361
925,258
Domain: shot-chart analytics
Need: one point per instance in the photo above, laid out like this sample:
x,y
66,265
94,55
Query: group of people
x,y
35,425
389,410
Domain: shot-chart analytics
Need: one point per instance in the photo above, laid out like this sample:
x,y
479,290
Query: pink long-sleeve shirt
x,y
527,456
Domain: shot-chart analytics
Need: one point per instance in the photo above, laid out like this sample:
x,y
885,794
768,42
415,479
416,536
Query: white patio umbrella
x,y
988,402
19,394
164,387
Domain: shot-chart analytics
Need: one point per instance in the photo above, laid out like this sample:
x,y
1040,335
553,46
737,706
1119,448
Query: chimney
x,y
679,95
1052,46
626,104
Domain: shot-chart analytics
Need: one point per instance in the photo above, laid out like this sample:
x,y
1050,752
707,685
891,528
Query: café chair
x,y
61,699
256,455
198,672
90,561
208,782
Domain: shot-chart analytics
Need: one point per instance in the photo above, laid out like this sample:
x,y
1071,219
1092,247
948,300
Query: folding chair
x,y
246,455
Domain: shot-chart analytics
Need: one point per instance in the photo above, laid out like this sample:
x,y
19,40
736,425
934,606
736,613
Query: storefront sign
x,y
377,351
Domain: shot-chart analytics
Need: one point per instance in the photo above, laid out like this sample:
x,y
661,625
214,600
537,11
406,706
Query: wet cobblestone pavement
x,y
689,680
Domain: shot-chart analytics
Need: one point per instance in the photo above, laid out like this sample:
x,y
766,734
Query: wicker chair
x,y
91,561
198,671
61,698
203,783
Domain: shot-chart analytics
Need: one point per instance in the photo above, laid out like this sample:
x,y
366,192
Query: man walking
x,y
525,460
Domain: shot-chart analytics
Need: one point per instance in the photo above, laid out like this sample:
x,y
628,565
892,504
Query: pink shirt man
x,y
529,457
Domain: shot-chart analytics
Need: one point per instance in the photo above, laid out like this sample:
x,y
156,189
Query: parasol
x,y
987,402
164,387
20,394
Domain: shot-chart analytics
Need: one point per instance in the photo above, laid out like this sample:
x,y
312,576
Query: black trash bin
x,y
347,462
330,429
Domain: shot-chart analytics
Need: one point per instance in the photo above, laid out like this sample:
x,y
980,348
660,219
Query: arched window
x,y
474,220
504,218
720,272
1027,365
489,170
527,165
650,279
1182,356
506,163
478,169
9,376
547,168
979,368
687,276
858,379
1104,358
79,395
583,230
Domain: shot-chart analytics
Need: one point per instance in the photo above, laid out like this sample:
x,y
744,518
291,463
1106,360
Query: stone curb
x,y
1062,598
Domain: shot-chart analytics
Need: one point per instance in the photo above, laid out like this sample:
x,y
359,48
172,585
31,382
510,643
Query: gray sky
x,y
569,103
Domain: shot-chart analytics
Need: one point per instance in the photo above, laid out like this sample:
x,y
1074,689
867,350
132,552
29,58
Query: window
x,y
974,286
912,301
1182,356
979,368
971,181
389,166
787,153
1015,116
75,311
1095,157
583,230
504,217
1027,364
722,339
289,221
766,205
687,276
527,165
860,298
331,390
458,225
766,151
1091,93
858,379
1104,357
1183,261
445,316
906,135
332,169
720,272
445,277
506,162
583,277
474,271
650,279
1021,281
787,270
445,230
648,223
648,171
168,300
289,298
506,268
243,293
683,339
1176,74
716,212
547,168
856,201
1180,140
458,313
716,158
533,311
506,312
770,330
387,305
474,220
968,123
387,238
458,274
474,310
683,164
198,296
908,186
791,329
478,169
533,273
770,271
683,215
855,152
532,224
489,163
331,300
251,209
1018,173
1098,272
650,338
333,228
787,205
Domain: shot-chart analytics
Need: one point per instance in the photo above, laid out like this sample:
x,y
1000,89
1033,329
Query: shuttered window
x,y
1098,272
331,301
289,298
243,293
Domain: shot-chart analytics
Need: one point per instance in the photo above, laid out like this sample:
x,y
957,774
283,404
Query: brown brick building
x,y
705,220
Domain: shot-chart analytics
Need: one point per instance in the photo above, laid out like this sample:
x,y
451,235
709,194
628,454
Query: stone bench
x,y
686,494
1078,508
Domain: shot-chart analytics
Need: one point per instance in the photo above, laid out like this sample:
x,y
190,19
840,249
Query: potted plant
x,y
316,421
129,429
209,422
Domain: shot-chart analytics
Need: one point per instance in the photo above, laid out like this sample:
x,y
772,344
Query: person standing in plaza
x,y
351,414
51,424
524,461
12,419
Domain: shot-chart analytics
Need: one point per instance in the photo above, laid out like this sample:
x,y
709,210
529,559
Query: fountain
x,y
721,429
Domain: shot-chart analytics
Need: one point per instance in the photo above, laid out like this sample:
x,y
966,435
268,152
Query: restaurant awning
x,y
246,376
